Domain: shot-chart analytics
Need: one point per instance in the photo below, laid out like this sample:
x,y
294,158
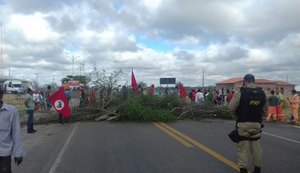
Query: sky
x,y
157,38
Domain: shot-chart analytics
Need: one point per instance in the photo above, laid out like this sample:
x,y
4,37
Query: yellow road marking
x,y
204,148
179,139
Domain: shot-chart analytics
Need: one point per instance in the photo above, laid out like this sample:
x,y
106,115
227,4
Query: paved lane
x,y
132,148
144,147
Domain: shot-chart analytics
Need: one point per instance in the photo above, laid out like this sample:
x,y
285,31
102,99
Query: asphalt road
x,y
181,147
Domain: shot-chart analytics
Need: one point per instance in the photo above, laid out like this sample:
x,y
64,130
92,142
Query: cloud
x,y
33,27
32,6
157,38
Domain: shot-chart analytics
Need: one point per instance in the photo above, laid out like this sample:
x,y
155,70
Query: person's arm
x,y
289,100
16,138
235,102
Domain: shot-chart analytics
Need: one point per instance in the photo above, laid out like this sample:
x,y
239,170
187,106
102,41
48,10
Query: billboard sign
x,y
167,81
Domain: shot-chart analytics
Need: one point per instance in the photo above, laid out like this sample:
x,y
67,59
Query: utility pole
x,y
203,80
81,67
73,65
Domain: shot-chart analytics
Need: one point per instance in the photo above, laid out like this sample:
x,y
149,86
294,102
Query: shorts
x,y
272,110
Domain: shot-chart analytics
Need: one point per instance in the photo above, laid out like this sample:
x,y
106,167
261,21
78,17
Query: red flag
x,y
133,82
182,91
60,103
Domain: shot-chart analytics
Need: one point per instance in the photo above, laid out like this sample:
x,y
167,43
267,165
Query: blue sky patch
x,y
155,44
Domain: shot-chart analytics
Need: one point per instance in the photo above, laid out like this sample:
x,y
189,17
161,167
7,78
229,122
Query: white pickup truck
x,y
13,86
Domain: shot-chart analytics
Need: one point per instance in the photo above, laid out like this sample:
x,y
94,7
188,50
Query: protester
x,y
295,106
68,94
151,90
124,92
36,99
166,91
199,97
209,97
192,94
30,107
226,97
82,101
42,101
249,105
141,89
92,97
10,136
279,106
61,119
47,95
230,96
273,101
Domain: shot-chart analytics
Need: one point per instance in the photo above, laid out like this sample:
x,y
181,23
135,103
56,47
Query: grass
x,y
12,99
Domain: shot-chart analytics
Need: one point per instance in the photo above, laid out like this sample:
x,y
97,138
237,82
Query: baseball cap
x,y
249,78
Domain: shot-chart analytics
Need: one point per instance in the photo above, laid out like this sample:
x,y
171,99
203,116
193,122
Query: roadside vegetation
x,y
114,103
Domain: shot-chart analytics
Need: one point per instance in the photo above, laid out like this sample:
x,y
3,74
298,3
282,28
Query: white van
x,y
13,86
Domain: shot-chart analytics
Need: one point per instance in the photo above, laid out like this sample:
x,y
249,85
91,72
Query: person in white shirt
x,y
199,97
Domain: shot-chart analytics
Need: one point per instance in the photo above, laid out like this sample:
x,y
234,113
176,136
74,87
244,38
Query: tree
x,y
35,84
65,79
106,84
82,79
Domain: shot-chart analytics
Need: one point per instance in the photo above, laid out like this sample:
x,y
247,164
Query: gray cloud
x,y
229,38
32,6
184,56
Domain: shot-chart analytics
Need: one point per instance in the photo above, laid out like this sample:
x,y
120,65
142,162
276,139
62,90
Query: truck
x,y
13,86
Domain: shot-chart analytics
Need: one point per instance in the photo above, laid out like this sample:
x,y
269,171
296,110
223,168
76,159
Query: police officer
x,y
249,105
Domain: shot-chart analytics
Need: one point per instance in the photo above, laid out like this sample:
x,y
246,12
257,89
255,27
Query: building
x,y
267,85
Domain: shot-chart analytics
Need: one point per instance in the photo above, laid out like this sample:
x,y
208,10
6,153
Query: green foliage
x,y
65,80
171,101
146,108
82,79
286,105
224,113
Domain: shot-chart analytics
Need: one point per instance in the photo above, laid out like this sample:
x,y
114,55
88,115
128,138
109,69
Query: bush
x,y
153,108
224,113
171,101
145,108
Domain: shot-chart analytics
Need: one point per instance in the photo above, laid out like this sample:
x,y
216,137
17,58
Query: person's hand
x,y
18,160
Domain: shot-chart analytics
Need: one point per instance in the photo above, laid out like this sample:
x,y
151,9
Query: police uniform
x,y
249,105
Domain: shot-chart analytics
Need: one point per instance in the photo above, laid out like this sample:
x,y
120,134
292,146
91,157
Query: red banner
x,y
60,103
133,82
182,91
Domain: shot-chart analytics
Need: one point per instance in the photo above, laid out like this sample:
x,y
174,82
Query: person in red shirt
x,y
151,90
192,94
230,96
